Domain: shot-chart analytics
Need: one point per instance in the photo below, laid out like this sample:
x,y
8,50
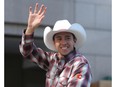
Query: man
x,y
65,67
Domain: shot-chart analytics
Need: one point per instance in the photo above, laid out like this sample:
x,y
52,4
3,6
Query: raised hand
x,y
35,18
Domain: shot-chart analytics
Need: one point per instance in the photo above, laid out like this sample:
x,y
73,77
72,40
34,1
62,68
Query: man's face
x,y
64,42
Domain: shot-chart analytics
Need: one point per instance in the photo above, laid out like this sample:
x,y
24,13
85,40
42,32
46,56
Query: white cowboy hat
x,y
64,26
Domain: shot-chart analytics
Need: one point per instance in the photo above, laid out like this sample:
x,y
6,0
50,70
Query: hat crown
x,y
61,24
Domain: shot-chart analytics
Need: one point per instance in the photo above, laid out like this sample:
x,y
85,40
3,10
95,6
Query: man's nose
x,y
63,41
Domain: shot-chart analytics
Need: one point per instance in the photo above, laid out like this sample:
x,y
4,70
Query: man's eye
x,y
68,38
58,39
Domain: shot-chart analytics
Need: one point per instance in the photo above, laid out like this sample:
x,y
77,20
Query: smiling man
x,y
64,42
65,67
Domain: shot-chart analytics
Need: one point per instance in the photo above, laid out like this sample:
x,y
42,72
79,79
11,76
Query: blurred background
x,y
94,15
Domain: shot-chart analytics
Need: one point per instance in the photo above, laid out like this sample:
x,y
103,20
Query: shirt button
x,y
79,76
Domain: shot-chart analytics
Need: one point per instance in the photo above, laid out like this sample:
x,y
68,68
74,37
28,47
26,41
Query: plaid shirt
x,y
71,71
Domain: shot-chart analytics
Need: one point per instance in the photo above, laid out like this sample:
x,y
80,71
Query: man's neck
x,y
60,56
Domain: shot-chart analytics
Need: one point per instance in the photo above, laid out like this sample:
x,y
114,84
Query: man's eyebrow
x,y
57,35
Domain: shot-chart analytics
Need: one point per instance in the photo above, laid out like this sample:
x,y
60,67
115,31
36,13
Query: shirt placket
x,y
59,70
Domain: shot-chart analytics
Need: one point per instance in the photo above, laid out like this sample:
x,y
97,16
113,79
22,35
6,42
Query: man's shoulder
x,y
79,58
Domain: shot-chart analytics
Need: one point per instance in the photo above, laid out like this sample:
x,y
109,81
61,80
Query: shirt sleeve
x,y
29,50
80,76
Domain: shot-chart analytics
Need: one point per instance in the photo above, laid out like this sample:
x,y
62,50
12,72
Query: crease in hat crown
x,y
61,24
64,26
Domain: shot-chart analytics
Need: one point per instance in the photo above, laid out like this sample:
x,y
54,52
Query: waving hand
x,y
35,18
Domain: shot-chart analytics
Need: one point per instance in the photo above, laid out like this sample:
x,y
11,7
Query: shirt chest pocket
x,y
64,76
63,81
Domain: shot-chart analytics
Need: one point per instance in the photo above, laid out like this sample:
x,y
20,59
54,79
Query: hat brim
x,y
75,29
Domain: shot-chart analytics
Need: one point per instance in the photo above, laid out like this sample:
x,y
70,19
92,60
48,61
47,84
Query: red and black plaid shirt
x,y
71,71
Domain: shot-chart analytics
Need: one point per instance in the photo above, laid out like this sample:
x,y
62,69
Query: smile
x,y
64,48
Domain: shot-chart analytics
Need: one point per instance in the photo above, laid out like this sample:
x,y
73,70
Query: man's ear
x,y
75,40
54,42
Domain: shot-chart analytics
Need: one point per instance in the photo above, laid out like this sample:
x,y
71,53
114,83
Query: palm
x,y
34,20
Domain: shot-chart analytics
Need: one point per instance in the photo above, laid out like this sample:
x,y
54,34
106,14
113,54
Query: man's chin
x,y
64,54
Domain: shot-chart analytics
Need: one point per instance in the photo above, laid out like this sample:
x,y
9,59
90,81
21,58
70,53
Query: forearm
x,y
26,44
29,50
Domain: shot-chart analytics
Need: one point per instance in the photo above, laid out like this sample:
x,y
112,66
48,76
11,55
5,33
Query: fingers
x,y
30,10
42,10
36,8
41,18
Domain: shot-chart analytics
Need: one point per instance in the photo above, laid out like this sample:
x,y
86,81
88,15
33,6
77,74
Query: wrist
x,y
29,31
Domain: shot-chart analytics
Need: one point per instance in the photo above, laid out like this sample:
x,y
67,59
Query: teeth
x,y
64,48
